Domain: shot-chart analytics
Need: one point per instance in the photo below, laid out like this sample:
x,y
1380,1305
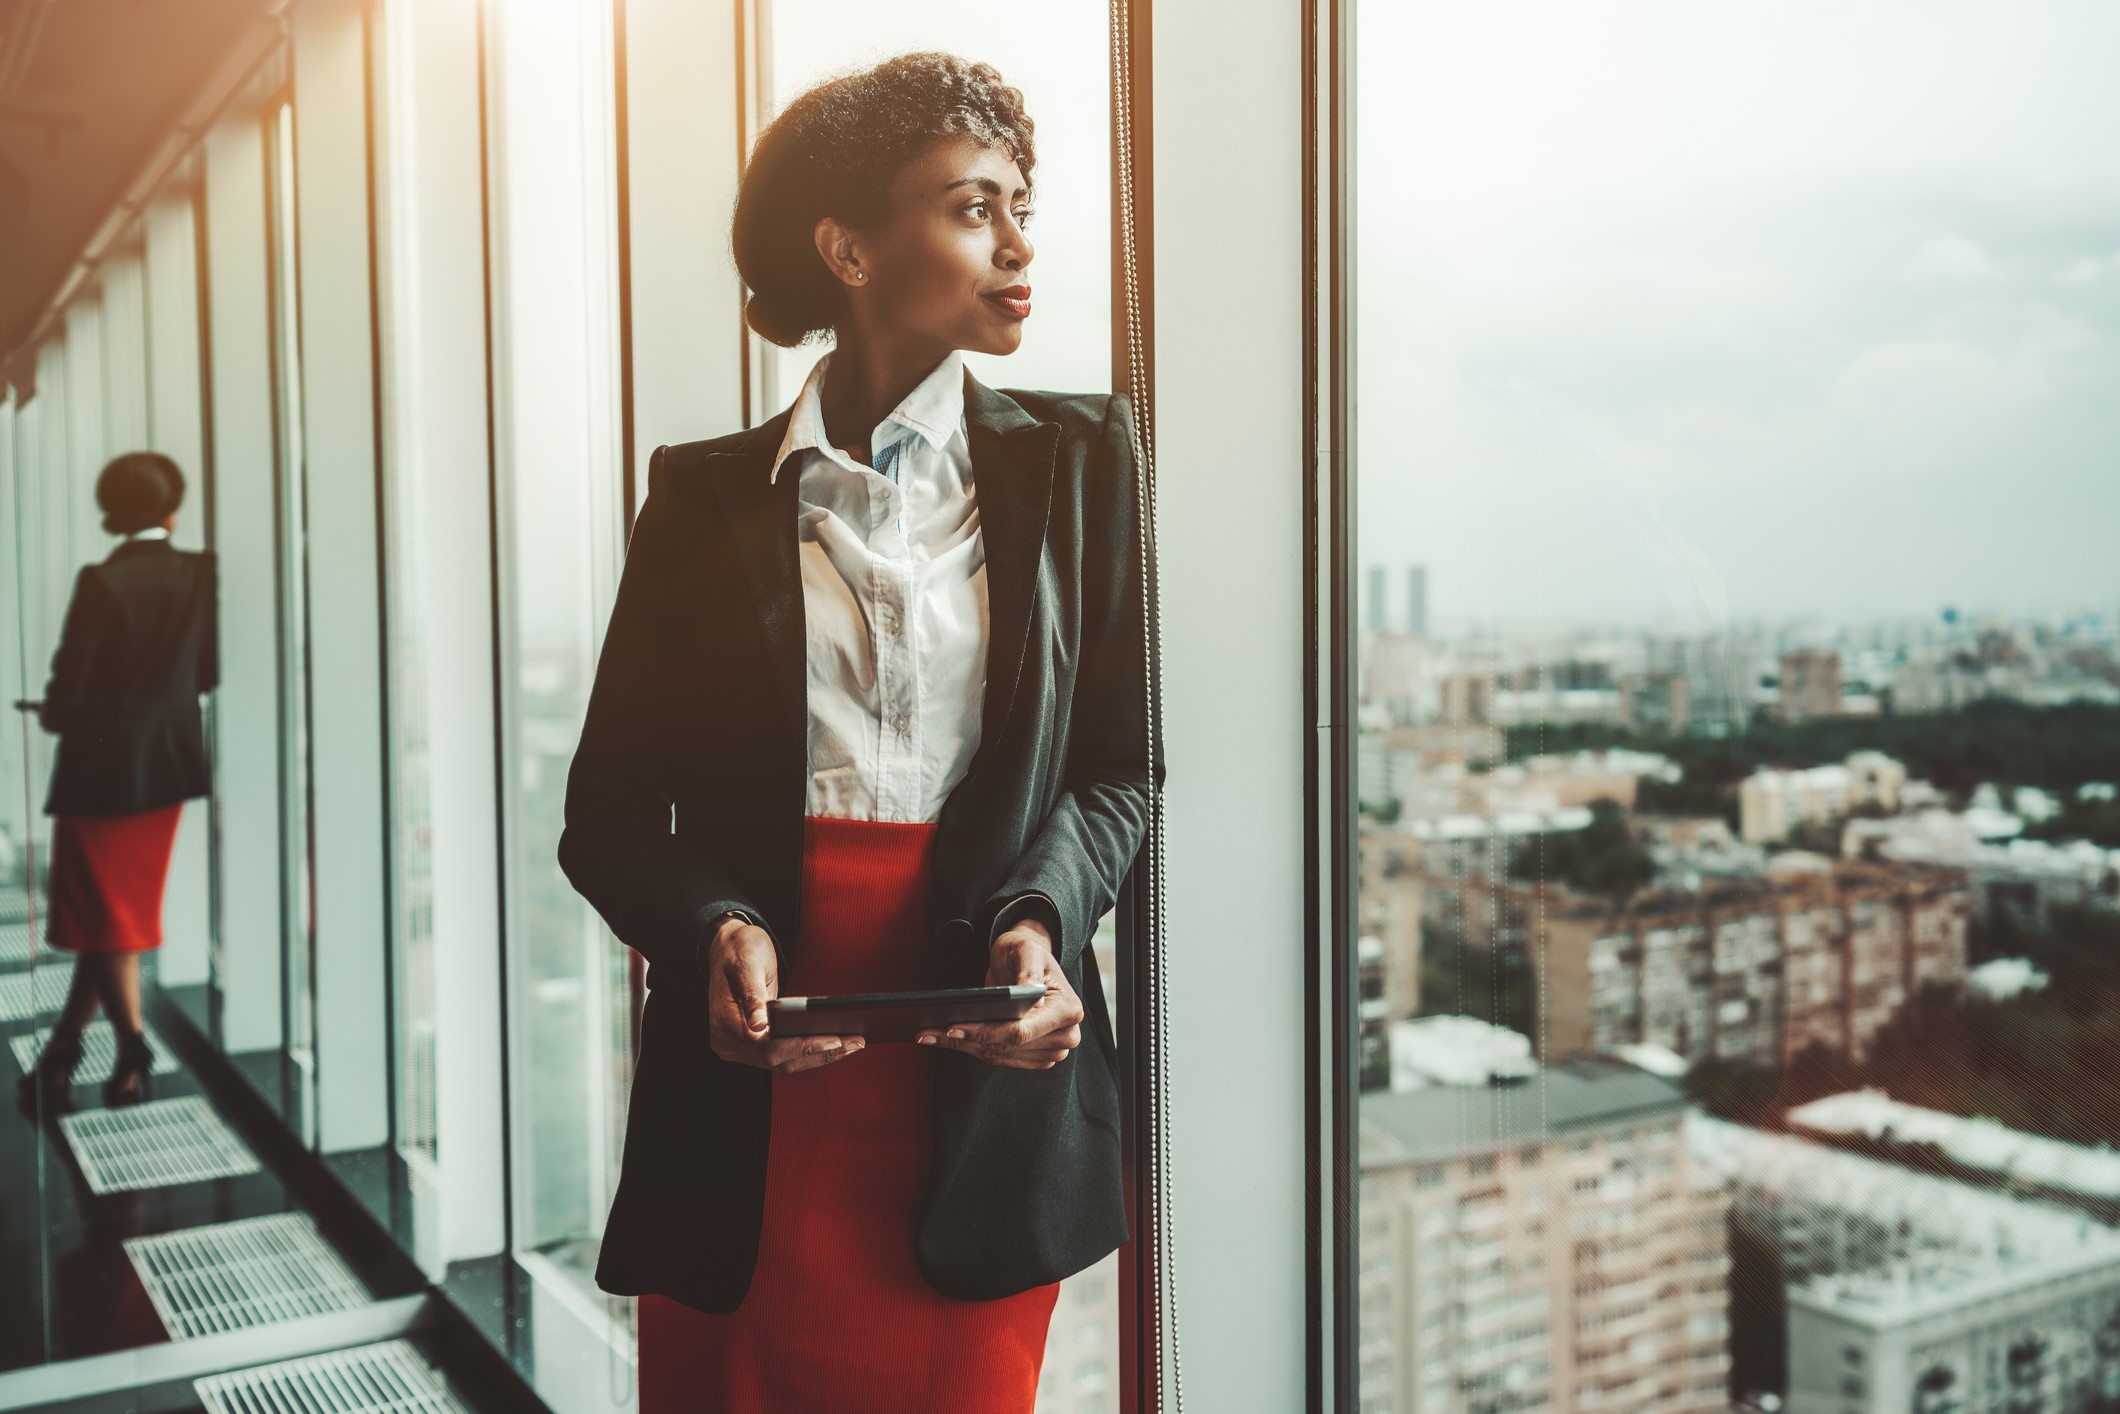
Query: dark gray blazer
x,y
699,715
137,649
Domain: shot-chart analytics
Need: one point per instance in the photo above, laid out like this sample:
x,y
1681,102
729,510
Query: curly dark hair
x,y
137,490
836,150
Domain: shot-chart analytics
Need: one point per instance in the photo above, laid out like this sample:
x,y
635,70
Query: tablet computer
x,y
896,1016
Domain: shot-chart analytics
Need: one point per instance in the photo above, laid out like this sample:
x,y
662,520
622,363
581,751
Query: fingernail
x,y
957,1035
831,1045
925,1040
856,1044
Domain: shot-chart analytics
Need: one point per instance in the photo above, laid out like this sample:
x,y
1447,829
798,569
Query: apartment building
x,y
1746,969
1909,1292
1771,803
1543,1246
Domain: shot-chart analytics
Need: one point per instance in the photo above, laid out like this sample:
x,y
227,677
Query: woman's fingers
x,y
798,1053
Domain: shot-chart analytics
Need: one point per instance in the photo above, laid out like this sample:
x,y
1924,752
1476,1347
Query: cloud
x,y
1919,398
2090,269
1948,259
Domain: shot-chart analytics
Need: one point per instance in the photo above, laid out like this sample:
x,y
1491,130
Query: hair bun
x,y
770,323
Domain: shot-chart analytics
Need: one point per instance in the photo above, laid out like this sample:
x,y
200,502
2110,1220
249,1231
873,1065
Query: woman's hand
x,y
1042,1037
742,972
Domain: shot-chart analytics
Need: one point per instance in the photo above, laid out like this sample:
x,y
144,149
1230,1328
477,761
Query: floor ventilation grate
x,y
15,942
232,1276
25,996
14,902
99,1052
155,1145
389,1378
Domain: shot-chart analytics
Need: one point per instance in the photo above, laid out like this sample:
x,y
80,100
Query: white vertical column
x,y
175,427
48,521
681,165
15,819
246,708
1229,442
37,473
54,483
435,390
345,603
124,354
84,430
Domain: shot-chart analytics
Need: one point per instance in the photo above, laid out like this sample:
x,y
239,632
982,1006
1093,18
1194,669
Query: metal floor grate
x,y
232,1276
154,1145
14,902
27,995
99,1052
389,1378
14,942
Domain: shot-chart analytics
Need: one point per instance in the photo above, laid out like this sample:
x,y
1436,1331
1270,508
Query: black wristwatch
x,y
713,930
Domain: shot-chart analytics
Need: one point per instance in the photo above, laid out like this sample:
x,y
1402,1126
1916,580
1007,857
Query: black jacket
x,y
138,647
700,706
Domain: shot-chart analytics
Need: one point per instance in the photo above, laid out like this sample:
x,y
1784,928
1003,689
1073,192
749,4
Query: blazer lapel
x,y
1012,475
760,515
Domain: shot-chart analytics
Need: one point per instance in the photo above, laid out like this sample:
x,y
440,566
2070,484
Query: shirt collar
x,y
934,410
153,532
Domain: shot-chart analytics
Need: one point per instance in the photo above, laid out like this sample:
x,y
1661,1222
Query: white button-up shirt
x,y
894,595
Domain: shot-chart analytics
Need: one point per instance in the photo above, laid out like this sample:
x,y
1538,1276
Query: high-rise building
x,y
1548,1245
1655,703
1810,685
1417,600
1376,622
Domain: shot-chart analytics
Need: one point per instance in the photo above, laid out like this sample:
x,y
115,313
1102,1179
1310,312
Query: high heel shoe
x,y
127,1084
53,1074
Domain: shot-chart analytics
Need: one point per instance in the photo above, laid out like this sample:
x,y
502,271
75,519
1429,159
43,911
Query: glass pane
x,y
1740,700
298,858
1059,55
557,430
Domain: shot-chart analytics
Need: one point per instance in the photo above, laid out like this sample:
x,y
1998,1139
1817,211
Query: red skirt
x,y
107,876
838,1315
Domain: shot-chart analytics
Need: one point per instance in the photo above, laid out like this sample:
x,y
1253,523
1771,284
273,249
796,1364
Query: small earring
x,y
861,274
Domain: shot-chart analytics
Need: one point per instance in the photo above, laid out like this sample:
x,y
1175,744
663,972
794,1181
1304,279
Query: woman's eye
x,y
982,208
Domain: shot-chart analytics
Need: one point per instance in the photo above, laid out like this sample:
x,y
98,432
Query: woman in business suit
x,y
872,713
136,652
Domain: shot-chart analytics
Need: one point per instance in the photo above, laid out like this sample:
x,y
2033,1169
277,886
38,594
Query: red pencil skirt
x,y
107,876
838,1316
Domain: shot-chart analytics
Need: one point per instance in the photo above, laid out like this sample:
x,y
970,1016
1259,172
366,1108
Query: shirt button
x,y
899,723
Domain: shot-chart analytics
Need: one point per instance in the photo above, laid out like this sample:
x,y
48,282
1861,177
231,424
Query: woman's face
x,y
953,246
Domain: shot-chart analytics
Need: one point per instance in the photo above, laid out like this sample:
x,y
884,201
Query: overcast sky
x,y
1687,311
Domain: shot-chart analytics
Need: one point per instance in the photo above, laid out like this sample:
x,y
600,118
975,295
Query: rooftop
x,y
1976,1143
1450,1121
1919,1245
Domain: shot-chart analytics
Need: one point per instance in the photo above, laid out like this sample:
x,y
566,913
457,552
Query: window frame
x,y
1332,864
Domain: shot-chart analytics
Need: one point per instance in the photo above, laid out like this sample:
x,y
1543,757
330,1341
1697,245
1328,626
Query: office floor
x,y
237,1252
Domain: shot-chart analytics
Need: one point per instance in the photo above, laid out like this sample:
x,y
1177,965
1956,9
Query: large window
x,y
1059,56
1739,691
557,430
290,547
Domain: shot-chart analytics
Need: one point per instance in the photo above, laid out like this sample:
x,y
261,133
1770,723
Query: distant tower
x,y
1810,685
1417,600
1376,599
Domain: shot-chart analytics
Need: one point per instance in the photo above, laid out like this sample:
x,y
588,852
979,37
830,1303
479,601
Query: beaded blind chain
x,y
1162,1245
